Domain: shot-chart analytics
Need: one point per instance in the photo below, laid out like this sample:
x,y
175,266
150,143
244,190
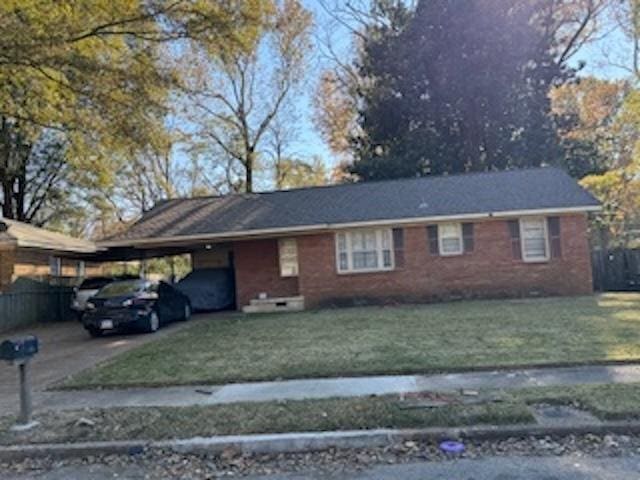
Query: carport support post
x,y
25,395
26,407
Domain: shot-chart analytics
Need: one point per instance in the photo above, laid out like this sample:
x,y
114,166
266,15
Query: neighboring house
x,y
28,251
513,233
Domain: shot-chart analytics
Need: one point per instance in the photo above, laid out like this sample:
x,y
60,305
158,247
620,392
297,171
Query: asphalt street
x,y
572,467
493,468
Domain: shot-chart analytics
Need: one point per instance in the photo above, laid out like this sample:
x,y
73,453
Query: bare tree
x,y
625,17
236,96
34,172
576,23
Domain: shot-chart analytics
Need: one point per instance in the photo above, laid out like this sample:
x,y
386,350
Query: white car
x,y
87,289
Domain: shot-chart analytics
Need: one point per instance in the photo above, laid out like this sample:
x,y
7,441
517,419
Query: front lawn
x,y
377,340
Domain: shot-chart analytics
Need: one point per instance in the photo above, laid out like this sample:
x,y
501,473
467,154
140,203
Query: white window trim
x,y
379,251
458,227
281,241
546,240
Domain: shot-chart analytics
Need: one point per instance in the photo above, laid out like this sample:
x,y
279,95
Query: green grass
x,y
241,418
608,402
382,340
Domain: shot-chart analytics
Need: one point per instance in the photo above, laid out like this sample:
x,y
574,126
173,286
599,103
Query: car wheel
x,y
153,322
187,312
94,332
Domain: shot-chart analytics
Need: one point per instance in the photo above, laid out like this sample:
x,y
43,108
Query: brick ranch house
x,y
499,234
30,252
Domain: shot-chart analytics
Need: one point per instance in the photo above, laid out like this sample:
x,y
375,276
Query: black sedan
x,y
134,305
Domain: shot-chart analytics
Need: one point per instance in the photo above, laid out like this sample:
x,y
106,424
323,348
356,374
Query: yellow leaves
x,y
292,173
592,102
103,70
604,113
607,185
619,192
335,112
292,23
630,119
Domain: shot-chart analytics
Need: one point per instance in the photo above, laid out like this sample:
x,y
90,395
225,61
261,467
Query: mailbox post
x,y
20,352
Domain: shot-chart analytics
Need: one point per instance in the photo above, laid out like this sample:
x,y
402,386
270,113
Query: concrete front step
x,y
272,308
271,300
275,304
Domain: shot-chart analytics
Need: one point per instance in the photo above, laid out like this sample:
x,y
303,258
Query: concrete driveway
x,y
66,349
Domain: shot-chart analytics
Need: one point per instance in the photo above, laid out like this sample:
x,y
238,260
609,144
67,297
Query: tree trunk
x,y
249,171
21,213
5,178
7,199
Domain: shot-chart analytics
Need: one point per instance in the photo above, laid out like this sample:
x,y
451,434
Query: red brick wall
x,y
258,270
489,271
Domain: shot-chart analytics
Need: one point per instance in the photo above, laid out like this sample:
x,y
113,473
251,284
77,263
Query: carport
x,y
215,258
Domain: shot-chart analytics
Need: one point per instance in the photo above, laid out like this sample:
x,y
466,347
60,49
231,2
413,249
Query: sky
x,y
310,142
594,55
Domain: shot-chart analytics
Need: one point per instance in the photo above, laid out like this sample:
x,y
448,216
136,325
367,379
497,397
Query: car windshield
x,y
94,283
122,288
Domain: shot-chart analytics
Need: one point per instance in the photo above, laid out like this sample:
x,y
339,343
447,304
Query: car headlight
x,y
127,303
90,306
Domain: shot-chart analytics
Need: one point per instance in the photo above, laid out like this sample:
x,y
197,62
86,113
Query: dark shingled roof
x,y
466,194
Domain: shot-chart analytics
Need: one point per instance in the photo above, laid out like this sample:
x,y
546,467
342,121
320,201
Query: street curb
x,y
308,441
80,449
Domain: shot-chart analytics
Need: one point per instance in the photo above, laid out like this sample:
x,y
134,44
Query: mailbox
x,y
19,348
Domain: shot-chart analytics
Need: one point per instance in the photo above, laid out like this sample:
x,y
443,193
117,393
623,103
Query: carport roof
x,y
25,235
512,192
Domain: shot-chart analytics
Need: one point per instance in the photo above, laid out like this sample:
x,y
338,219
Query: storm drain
x,y
546,414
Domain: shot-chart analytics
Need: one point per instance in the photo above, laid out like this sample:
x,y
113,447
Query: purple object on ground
x,y
452,447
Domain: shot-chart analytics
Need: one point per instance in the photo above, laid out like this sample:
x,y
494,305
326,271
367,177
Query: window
x,y
288,254
55,266
534,238
364,250
450,239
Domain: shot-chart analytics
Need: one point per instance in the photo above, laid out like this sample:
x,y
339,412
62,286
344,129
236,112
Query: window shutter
x,y
467,237
432,234
553,225
514,231
398,247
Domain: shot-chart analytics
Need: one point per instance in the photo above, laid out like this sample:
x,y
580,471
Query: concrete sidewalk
x,y
334,387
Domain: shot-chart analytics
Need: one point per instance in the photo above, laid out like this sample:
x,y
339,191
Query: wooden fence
x,y
30,302
616,270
